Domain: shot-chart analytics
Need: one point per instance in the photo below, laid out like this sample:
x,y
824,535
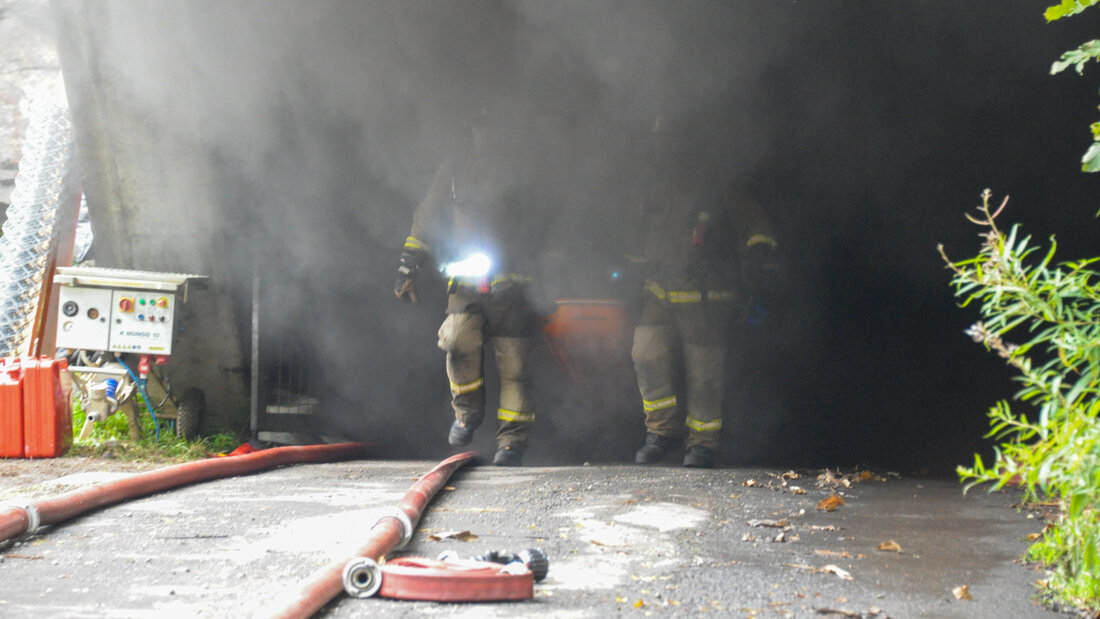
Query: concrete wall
x,y
147,215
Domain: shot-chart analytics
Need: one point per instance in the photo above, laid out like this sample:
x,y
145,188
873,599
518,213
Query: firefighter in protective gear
x,y
702,258
470,216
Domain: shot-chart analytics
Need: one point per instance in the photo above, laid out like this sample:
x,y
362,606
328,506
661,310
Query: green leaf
x,y
1077,58
1066,8
1090,162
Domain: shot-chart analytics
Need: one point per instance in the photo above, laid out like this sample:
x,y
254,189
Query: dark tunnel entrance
x,y
865,132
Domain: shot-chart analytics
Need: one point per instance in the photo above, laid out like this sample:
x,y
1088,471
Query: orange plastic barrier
x,y
11,408
47,409
588,335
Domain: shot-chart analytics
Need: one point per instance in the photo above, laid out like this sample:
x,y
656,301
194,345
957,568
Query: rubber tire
x,y
191,409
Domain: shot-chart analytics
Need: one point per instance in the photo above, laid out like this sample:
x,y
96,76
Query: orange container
x,y
11,408
588,336
47,410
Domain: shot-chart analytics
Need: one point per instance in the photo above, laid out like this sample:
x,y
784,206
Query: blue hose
x,y
148,403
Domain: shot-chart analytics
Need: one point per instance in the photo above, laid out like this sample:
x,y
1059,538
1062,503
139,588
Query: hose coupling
x,y
31,512
362,577
406,526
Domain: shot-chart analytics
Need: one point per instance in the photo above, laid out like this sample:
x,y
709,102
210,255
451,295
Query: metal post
x,y
254,394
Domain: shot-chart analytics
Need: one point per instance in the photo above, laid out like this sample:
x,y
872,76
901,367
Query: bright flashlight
x,y
476,265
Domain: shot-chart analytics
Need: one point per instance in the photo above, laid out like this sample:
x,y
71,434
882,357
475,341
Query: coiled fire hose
x,y
493,577
390,532
26,518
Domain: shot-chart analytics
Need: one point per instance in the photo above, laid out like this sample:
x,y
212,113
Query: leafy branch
x,y
1053,310
1077,58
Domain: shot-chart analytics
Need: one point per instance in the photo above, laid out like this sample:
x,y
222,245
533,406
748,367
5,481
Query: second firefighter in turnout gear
x,y
702,257
470,222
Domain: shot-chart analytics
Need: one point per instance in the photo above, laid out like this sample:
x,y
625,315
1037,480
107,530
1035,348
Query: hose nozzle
x,y
534,559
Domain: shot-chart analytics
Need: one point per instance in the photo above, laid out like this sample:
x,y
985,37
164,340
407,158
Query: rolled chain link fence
x,y
30,232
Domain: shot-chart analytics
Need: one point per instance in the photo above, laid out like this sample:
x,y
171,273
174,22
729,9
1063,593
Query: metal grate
x,y
285,386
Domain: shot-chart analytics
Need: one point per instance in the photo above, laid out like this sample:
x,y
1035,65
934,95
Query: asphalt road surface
x,y
622,541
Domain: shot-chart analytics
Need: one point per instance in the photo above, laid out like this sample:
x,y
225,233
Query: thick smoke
x,y
865,130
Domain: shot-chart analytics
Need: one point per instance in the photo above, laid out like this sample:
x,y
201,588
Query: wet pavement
x,y
622,541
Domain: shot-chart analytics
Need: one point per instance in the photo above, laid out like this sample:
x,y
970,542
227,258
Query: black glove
x,y
405,285
759,269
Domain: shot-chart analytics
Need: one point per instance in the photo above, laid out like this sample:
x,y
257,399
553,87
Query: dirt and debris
x,y
45,477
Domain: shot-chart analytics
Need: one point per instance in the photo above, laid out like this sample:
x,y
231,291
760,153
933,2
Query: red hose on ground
x,y
418,578
16,520
385,535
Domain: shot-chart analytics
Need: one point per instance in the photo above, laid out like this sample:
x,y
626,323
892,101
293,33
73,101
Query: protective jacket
x,y
470,209
693,247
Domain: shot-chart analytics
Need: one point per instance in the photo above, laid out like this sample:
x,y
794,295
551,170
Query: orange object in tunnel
x,y
588,336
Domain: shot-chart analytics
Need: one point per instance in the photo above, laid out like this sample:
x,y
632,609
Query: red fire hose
x,y
15,520
392,531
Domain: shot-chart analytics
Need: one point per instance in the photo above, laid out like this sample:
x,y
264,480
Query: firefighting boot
x,y
656,448
461,434
508,456
699,457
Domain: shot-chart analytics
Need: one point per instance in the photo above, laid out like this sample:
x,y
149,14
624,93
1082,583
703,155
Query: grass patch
x,y
110,438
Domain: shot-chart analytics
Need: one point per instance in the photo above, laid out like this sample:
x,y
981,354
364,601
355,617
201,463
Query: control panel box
x,y
118,311
142,322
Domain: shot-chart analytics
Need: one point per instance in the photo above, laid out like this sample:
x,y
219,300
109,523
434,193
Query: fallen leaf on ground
x,y
828,569
749,483
840,572
449,488
839,612
833,553
865,475
830,503
639,604
890,546
770,523
962,592
462,536
801,566
828,479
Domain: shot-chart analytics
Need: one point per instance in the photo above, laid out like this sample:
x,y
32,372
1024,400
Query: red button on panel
x,y
126,304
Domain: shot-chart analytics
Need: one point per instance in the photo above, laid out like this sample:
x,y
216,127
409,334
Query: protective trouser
x,y
462,336
694,335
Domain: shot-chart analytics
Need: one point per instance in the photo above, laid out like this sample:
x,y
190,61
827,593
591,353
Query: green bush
x,y
1052,311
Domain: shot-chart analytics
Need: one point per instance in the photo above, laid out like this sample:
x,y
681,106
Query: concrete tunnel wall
x,y
149,216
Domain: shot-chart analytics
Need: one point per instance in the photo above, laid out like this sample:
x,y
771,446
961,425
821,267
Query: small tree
x,y
1054,311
